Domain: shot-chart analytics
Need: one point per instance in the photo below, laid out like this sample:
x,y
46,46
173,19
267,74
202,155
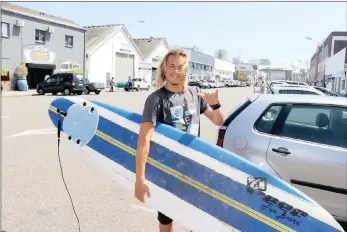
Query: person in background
x,y
111,84
262,87
130,82
176,104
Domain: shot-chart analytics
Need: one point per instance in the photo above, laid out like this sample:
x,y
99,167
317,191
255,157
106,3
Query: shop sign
x,y
39,54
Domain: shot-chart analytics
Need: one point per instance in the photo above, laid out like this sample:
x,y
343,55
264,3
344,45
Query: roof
x,y
17,9
302,98
148,45
96,36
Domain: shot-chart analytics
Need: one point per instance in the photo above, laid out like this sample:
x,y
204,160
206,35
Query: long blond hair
x,y
161,78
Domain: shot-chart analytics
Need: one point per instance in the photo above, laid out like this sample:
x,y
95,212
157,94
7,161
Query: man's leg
x,y
165,223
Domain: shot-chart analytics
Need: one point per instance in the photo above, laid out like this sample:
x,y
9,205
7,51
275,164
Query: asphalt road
x,y
33,194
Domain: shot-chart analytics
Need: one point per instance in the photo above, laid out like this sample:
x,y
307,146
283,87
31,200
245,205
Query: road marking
x,y
3,117
34,132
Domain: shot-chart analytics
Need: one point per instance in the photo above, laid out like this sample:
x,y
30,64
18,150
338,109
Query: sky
x,y
251,30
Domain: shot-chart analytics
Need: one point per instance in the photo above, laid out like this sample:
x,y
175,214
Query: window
x,y
319,124
295,91
40,36
268,119
5,29
68,41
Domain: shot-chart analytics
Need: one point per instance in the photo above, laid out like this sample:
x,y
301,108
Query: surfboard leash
x,y
62,175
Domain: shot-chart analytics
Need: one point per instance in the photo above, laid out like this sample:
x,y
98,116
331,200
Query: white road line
x,y
3,117
34,132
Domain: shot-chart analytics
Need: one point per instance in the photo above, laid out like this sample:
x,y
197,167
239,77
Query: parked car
x,y
139,84
65,83
212,83
243,84
294,90
326,91
95,87
296,83
205,84
248,83
197,83
301,139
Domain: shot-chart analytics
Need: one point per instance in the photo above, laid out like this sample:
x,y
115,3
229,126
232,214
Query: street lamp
x,y
322,57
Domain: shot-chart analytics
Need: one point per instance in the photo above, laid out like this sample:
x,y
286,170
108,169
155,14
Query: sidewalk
x,y
18,93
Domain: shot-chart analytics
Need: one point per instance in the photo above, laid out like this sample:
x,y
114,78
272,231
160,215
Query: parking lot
x,y
34,196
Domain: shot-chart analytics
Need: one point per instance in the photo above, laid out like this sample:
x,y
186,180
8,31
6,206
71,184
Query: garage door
x,y
124,67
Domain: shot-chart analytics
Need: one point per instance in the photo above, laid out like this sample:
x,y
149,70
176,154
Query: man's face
x,y
175,69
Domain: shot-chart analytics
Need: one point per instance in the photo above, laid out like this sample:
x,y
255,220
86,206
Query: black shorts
x,y
164,220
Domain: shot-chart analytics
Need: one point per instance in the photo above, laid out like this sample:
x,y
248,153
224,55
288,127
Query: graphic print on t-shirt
x,y
182,118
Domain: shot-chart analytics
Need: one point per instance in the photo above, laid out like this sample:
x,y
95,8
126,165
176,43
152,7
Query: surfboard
x,y
198,184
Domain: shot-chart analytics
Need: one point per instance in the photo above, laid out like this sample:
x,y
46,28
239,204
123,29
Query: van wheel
x,y
66,92
97,91
54,93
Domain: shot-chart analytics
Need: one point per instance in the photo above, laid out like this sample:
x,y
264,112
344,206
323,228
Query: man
x,y
111,84
130,83
176,104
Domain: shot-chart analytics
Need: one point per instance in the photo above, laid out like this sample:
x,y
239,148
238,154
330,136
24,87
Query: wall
x,y
100,62
23,38
154,59
223,69
335,72
197,62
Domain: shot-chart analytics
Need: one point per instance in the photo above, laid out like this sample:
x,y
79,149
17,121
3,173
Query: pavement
x,y
33,193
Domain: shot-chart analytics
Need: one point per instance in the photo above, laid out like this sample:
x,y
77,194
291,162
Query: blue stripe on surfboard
x,y
209,149
211,179
182,190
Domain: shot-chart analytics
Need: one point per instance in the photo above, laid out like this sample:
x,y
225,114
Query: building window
x,y
68,41
5,29
343,84
40,36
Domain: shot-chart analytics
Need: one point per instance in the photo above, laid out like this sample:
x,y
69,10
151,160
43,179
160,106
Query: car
x,y
66,83
197,83
243,84
326,91
248,83
294,90
95,87
298,138
296,83
139,84
205,84
212,83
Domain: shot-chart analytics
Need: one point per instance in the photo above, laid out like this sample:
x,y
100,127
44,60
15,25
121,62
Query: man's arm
x,y
143,146
216,116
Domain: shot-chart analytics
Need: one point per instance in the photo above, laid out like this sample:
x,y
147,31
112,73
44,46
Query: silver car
x,y
295,90
299,138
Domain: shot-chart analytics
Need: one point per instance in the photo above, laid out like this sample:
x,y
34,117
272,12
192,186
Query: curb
x,y
17,94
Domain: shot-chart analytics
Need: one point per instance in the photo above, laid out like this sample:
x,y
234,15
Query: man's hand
x,y
141,188
210,97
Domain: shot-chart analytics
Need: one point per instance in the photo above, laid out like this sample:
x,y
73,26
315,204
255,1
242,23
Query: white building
x,y
111,52
153,51
335,72
276,73
223,69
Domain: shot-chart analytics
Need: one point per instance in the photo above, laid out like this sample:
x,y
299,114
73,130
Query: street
x,y
33,194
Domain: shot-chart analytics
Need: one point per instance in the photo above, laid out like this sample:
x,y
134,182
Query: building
x,y
153,51
223,70
276,73
222,55
260,62
42,41
334,43
200,65
111,52
245,71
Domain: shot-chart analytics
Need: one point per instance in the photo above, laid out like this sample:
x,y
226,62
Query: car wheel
x,y
41,92
97,91
138,88
87,91
54,93
79,93
66,91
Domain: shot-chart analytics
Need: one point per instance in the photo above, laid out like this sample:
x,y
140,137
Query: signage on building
x,y
38,54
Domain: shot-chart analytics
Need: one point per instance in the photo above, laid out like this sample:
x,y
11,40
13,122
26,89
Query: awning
x,y
43,66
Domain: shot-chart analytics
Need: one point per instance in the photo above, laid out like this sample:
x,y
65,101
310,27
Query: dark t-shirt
x,y
181,110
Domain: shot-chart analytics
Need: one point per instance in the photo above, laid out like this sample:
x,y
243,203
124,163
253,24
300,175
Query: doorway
x,y
154,74
37,73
